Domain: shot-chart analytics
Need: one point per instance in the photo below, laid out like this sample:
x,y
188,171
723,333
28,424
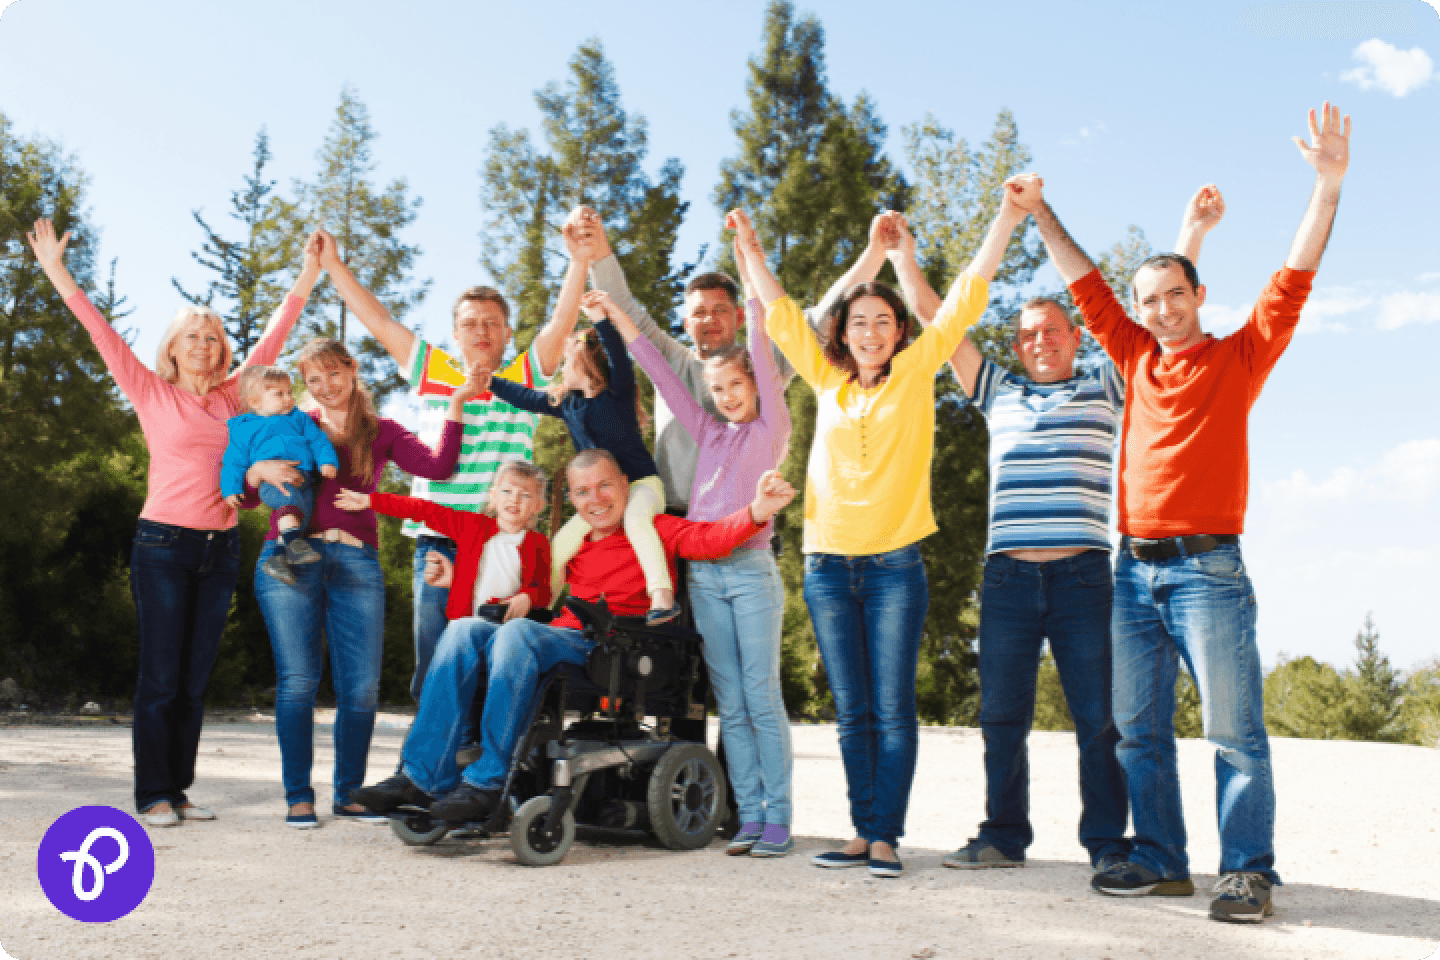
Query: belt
x,y
336,535
1169,547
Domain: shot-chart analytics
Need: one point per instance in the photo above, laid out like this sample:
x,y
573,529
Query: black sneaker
x,y
392,792
1132,880
465,804
1241,897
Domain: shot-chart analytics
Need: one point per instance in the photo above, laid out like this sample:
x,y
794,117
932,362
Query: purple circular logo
x,y
96,864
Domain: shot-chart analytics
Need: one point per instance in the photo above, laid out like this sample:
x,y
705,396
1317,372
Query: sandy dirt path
x,y
1358,844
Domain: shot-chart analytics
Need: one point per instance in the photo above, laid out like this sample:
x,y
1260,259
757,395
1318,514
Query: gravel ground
x,y
1357,844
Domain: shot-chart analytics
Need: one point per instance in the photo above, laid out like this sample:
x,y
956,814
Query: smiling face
x,y
516,500
871,335
710,318
733,391
599,493
199,347
272,399
1046,343
482,332
1169,307
330,385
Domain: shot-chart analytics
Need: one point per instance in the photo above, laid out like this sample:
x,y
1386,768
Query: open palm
x,y
1329,154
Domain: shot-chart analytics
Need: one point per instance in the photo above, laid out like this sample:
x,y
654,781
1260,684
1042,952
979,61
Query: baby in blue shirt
x,y
276,430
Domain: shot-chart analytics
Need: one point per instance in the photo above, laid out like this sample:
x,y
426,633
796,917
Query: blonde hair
x,y
531,472
362,424
165,364
253,378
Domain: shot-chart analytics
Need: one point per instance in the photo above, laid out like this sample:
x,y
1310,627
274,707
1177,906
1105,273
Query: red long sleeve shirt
x,y
608,566
1184,460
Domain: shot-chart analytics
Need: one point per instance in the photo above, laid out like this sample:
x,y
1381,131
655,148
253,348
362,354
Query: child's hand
x,y
234,501
477,381
519,606
597,305
328,470
352,501
439,571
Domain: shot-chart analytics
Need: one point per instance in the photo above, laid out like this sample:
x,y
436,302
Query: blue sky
x,y
1127,108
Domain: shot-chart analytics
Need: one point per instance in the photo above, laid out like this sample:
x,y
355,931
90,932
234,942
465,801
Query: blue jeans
x,y
868,612
1201,608
301,497
739,603
1022,604
510,660
182,581
430,620
338,602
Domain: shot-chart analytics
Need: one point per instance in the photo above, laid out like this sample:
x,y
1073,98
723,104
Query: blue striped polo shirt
x,y
1052,447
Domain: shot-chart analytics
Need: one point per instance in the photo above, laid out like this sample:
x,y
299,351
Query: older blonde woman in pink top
x,y
186,555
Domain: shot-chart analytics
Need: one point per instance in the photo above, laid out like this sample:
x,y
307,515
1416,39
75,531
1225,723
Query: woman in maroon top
x,y
341,596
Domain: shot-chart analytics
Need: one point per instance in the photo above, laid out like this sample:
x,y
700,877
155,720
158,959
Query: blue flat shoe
x,y
885,868
302,821
836,859
360,816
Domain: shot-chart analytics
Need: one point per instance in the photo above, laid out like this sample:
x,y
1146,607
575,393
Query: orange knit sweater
x,y
1184,461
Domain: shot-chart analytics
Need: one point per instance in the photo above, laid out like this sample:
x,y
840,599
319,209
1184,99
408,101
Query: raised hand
x,y
904,247
773,493
1330,152
597,305
589,233
883,235
745,237
1205,209
48,250
326,249
1025,192
352,500
576,248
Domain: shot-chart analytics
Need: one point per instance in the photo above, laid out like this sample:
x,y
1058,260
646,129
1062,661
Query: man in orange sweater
x,y
1180,585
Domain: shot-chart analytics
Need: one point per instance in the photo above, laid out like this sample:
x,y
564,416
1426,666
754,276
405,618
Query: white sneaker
x,y
167,818
192,812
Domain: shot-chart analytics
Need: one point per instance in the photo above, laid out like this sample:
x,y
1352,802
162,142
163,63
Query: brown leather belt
x,y
1142,549
336,535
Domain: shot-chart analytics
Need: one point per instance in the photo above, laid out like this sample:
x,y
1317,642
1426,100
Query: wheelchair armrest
x,y
596,615
495,613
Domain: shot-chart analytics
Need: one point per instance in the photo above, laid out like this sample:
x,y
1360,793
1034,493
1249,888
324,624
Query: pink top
x,y
186,434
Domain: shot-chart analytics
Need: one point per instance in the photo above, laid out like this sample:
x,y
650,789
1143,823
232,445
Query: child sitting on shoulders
x,y
499,559
276,429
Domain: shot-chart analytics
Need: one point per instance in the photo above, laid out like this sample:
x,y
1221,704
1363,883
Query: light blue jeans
x,y
739,603
868,613
340,603
509,660
1202,609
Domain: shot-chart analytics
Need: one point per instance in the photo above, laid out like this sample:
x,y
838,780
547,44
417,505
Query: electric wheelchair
x,y
608,768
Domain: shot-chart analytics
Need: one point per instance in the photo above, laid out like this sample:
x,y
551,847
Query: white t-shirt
x,y
499,569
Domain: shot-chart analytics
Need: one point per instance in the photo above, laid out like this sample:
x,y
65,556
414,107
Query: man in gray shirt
x,y
712,316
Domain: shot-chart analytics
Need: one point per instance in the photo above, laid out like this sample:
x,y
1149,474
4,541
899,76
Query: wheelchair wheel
x,y
527,834
417,829
686,799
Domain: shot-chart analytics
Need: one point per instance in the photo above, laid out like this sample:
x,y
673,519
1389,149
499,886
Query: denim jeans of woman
x,y
868,613
739,603
182,581
340,602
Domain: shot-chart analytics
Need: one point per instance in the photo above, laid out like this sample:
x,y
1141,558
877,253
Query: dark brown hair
x,y
833,328
482,295
1162,260
715,281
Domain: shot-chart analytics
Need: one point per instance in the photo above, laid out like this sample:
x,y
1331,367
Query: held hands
x,y
352,500
903,247
1330,153
328,471
1023,193
884,234
745,238
326,251
439,571
477,381
589,233
519,606
773,493
597,305
1205,209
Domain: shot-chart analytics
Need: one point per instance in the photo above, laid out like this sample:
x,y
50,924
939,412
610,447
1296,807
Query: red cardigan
x,y
471,531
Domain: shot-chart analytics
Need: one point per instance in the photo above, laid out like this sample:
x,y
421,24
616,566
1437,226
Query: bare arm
x,y
925,303
1330,156
549,343
50,252
767,288
867,266
395,337
1202,214
1070,261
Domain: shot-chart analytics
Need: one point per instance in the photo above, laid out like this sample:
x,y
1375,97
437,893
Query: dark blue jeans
x,y
337,603
868,612
182,581
429,604
1023,604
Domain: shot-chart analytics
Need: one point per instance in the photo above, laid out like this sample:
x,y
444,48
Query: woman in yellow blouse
x,y
867,505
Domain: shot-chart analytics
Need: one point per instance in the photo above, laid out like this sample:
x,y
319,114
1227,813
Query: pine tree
x,y
366,223
811,172
1376,694
252,271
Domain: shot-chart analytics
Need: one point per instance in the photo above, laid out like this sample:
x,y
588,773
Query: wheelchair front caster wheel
x,y
417,829
527,834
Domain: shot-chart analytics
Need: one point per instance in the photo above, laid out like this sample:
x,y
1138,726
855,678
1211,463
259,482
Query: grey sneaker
x,y
1241,897
776,841
1132,880
298,551
745,838
278,567
978,854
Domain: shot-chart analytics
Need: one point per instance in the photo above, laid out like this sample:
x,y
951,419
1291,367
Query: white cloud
x,y
1086,133
1408,474
1433,275
1389,69
1218,319
1343,310
1405,308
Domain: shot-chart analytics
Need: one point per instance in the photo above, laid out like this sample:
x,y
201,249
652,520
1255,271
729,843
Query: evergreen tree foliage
x,y
1373,709
811,172
366,221
251,272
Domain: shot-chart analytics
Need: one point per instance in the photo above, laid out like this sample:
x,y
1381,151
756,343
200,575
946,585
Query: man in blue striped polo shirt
x,y
1047,559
